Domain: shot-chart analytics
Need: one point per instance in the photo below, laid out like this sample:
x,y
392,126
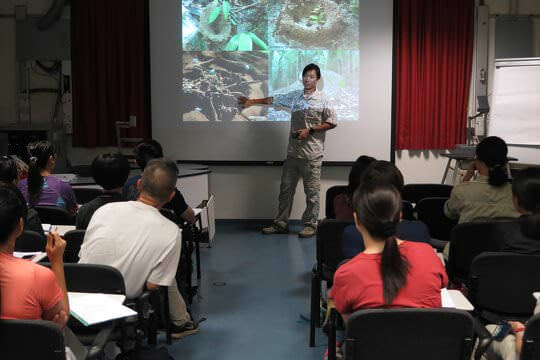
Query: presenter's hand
x,y
303,134
244,101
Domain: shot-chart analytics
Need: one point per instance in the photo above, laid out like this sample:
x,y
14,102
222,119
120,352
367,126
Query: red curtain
x,y
434,46
110,69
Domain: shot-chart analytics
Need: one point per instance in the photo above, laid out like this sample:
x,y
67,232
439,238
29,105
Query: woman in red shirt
x,y
390,272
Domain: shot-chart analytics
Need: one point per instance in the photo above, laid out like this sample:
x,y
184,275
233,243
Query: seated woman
x,y
9,174
383,172
342,202
41,187
390,272
489,196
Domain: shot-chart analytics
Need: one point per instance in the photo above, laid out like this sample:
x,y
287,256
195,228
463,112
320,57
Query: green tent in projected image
x,y
224,25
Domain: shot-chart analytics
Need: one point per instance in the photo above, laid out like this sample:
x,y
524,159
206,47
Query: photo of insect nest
x,y
212,82
227,25
314,24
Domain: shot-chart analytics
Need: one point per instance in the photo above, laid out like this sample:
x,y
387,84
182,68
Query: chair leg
x,y
315,307
332,335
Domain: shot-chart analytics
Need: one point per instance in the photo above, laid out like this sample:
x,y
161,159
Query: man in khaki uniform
x,y
311,116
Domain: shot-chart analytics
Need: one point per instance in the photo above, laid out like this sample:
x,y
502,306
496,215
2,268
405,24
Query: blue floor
x,y
253,290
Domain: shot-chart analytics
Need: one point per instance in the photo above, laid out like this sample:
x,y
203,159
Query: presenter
x,y
311,116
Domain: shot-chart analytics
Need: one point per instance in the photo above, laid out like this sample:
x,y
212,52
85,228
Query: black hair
x,y
40,153
357,171
8,169
383,172
526,189
378,209
492,151
110,170
312,67
12,209
147,150
159,178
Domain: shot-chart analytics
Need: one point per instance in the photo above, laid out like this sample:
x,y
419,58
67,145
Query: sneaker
x,y
307,232
275,229
180,332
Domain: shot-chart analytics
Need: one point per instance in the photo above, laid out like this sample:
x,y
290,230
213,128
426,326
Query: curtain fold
x,y
434,50
110,69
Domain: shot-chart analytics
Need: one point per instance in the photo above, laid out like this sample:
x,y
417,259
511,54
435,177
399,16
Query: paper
x,y
34,256
92,309
197,211
446,300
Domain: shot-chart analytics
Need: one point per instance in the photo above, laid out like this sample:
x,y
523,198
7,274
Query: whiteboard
x,y
515,107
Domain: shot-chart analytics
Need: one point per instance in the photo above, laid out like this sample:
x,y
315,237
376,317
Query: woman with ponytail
x,y
41,187
489,195
390,272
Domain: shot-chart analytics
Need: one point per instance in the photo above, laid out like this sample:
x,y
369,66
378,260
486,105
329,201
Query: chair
x,y
501,285
55,215
31,339
331,193
329,256
30,241
531,339
407,210
85,195
430,211
468,240
416,192
74,240
385,334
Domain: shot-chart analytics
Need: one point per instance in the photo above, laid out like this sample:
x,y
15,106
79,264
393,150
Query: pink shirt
x,y
27,289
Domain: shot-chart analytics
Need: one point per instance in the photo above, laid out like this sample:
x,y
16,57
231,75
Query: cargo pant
x,y
310,172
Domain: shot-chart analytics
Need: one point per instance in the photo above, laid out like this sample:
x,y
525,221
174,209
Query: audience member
x,y
144,152
110,171
383,172
143,245
489,196
41,187
342,202
390,272
9,174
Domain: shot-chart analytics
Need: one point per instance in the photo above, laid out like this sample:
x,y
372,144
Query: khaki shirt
x,y
476,200
307,111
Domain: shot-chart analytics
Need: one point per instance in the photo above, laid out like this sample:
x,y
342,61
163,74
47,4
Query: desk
x,y
459,159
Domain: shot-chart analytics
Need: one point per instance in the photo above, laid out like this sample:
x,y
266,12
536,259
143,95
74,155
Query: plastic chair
x,y
31,339
55,215
416,192
419,334
407,210
329,257
30,241
74,240
531,339
85,195
430,211
331,193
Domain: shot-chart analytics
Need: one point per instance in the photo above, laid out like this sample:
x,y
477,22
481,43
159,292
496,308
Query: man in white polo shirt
x,y
143,245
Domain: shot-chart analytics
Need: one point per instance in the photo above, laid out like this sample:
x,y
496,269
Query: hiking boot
x,y
275,229
307,232
188,328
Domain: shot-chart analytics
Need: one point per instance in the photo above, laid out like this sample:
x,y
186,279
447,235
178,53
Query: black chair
x,y
416,192
531,339
55,215
331,193
419,334
30,241
430,211
407,210
468,240
84,195
74,240
501,285
329,257
31,339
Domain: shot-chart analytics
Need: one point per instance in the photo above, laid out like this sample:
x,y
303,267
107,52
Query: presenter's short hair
x,y
310,67
159,178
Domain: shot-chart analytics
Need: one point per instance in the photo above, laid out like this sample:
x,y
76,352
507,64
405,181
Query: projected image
x,y
212,81
313,24
226,25
340,80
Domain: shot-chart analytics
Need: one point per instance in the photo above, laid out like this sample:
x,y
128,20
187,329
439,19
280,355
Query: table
x,y
459,159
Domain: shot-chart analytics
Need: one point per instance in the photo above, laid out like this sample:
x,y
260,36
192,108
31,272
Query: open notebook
x,y
34,256
92,309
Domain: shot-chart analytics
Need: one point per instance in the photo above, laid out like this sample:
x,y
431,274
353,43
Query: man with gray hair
x,y
142,244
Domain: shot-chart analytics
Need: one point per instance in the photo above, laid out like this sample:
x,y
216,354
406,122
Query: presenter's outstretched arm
x,y
247,102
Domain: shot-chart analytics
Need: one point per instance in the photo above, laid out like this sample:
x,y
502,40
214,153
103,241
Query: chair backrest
x,y
531,339
420,334
54,215
331,193
31,339
502,284
416,192
30,241
92,278
329,250
407,210
74,240
430,210
85,195
468,240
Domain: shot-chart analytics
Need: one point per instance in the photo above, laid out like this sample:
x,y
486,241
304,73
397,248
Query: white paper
x,y
197,211
92,309
446,300
34,256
